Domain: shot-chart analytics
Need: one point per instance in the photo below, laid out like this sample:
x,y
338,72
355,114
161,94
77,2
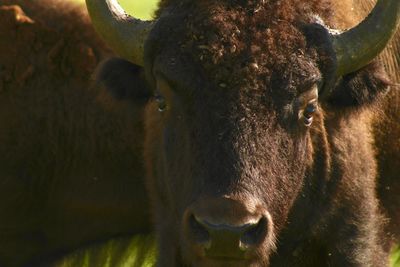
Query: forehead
x,y
256,44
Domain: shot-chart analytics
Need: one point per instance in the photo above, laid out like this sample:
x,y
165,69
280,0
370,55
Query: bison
x,y
256,133
271,132
70,157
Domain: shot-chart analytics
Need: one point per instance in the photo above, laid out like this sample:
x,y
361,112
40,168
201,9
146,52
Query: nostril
x,y
255,234
198,231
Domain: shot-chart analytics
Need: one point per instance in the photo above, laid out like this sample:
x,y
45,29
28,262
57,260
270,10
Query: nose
x,y
226,229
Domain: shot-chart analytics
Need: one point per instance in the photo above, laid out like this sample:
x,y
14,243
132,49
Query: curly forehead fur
x,y
250,43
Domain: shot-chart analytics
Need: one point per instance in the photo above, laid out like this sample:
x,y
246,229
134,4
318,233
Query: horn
x,y
356,47
126,35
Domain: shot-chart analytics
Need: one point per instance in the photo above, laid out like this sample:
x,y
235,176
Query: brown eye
x,y
307,106
162,94
161,102
309,112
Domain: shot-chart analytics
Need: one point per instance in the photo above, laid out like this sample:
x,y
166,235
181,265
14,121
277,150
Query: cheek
x,y
287,171
308,154
176,154
299,165
153,152
152,129
300,161
167,155
170,143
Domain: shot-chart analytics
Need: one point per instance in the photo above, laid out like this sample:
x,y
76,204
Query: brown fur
x,y
235,68
385,126
70,170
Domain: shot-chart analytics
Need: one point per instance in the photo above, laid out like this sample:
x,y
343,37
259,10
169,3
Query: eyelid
x,y
308,96
162,86
164,78
309,83
159,76
178,88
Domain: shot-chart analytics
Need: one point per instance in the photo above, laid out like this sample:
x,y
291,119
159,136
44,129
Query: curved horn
x,y
356,47
126,35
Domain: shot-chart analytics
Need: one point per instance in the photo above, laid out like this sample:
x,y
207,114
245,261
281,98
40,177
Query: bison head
x,y
235,98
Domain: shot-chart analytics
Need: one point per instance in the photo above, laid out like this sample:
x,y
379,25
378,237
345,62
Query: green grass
x,y
395,258
140,8
138,251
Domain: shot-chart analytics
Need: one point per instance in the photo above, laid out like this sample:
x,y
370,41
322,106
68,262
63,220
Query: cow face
x,y
228,131
234,123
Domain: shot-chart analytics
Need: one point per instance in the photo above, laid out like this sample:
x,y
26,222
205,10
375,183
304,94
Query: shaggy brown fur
x,y
70,170
386,124
235,71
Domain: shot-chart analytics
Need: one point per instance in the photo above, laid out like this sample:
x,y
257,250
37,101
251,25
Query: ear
x,y
360,88
124,80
